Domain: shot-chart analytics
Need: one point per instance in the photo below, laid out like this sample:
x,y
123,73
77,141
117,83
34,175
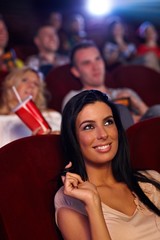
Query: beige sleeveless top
x,y
142,225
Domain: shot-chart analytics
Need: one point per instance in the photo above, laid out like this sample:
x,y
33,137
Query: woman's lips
x,y
103,148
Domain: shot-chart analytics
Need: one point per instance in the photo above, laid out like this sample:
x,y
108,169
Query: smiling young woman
x,y
102,197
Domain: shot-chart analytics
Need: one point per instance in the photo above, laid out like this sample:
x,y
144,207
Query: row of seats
x,y
145,81
29,176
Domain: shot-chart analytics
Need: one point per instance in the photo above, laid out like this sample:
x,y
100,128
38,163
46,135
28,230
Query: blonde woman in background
x,y
27,81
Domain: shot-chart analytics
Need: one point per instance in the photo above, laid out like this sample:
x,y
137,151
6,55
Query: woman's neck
x,y
100,175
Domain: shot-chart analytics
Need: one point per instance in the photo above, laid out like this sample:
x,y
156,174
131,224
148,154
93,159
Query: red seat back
x,y
29,169
145,144
59,82
145,81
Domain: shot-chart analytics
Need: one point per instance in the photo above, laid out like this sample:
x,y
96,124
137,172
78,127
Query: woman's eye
x,y
109,122
36,84
24,80
87,127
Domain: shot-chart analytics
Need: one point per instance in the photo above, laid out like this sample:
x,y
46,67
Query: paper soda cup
x,y
31,116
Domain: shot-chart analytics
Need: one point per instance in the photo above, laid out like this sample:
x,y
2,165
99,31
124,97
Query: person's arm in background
x,y
138,106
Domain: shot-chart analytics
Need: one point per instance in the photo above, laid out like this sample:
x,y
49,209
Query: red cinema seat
x,y
59,82
29,169
145,81
144,144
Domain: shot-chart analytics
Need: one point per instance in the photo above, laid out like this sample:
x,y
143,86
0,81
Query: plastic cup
x,y
31,116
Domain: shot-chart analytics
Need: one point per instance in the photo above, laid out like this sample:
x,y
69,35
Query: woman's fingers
x,y
56,132
68,165
68,168
74,176
35,132
71,181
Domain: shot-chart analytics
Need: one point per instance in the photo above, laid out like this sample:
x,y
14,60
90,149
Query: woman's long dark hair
x,y
121,166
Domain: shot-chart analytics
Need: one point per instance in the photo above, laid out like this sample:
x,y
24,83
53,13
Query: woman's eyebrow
x,y
86,121
110,116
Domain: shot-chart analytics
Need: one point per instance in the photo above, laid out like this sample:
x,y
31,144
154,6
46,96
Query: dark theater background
x,y
30,167
23,16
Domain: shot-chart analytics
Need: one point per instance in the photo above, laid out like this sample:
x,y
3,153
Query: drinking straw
x,y
17,94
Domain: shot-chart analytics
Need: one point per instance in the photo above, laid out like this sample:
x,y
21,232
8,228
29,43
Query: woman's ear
x,y
75,72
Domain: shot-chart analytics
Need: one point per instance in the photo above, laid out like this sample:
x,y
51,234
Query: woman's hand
x,y
47,132
75,187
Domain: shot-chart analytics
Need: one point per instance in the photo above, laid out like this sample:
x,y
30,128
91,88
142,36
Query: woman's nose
x,y
31,84
102,133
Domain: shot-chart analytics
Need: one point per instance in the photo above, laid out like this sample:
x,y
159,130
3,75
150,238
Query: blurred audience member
x,y
89,67
8,58
47,42
149,49
75,31
117,49
56,20
27,82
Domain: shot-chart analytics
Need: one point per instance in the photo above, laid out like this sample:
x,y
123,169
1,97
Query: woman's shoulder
x,y
8,122
59,197
62,200
8,117
151,174
149,189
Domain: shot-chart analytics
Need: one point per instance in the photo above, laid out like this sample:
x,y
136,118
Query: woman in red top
x,y
149,49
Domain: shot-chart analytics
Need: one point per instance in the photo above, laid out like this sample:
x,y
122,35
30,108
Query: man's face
x,y
47,39
3,35
89,67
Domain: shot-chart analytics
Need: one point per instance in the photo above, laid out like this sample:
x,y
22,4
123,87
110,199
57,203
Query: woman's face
x,y
29,85
97,133
151,33
118,30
